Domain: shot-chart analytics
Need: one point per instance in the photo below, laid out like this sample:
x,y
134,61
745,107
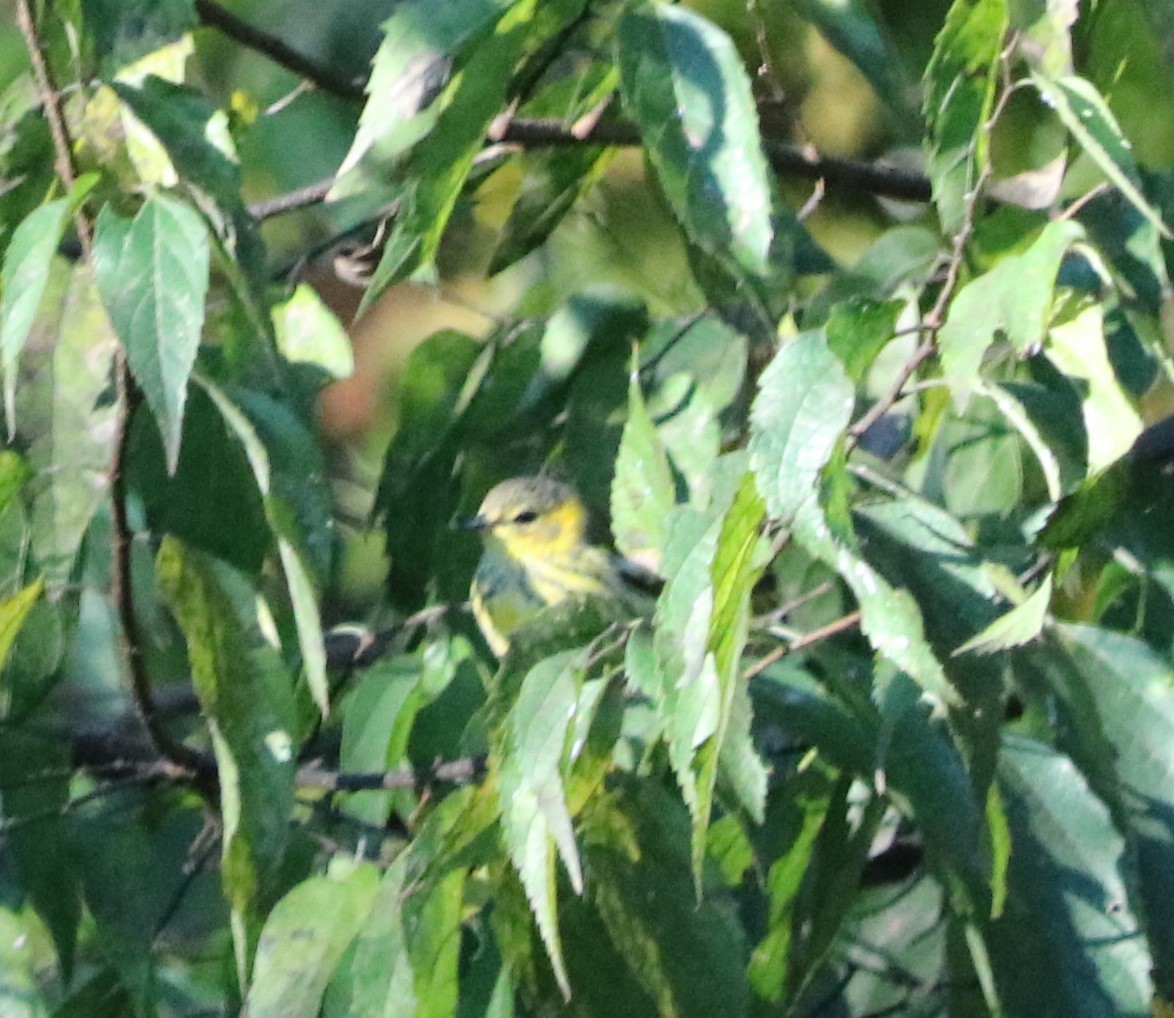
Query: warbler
x,y
536,554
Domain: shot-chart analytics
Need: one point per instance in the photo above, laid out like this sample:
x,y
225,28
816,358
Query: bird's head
x,y
531,517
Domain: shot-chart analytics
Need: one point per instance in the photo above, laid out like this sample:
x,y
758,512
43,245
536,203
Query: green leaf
x,y
440,166
554,182
377,721
535,816
768,964
855,30
686,951
889,615
22,284
803,405
832,883
131,869
308,332
683,82
247,702
960,82
421,48
1067,905
27,262
304,601
305,937
1115,696
1013,299
153,278
34,770
1083,110
198,142
215,479
416,495
13,612
642,492
1078,349
125,31
702,620
1020,625
857,330
68,421
18,967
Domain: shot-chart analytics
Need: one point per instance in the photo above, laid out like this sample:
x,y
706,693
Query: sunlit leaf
x,y
960,83
1067,905
153,278
1085,113
642,493
304,938
684,84
803,405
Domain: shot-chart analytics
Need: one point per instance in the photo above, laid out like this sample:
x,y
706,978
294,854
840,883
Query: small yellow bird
x,y
536,555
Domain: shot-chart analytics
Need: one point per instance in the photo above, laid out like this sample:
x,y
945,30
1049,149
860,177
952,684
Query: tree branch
x,y
51,103
120,579
833,628
251,37
786,158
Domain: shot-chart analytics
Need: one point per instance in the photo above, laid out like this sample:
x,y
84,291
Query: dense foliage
x,y
898,737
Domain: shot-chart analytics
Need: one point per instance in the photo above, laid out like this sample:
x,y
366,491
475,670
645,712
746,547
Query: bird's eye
x,y
527,516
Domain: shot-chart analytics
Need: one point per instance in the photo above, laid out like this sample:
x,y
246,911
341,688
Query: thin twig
x,y
121,591
451,772
931,324
833,628
51,103
797,160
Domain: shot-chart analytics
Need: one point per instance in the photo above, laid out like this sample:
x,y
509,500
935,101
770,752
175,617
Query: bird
x,y
536,554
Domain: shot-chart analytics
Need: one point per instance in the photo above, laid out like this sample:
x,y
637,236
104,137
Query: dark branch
x,y
251,37
788,159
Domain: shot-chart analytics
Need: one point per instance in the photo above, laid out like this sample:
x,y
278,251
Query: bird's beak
x,y
473,523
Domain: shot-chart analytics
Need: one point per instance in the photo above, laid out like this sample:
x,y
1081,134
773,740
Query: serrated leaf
x,y
702,623
440,166
1020,625
1115,695
304,938
535,816
686,952
1013,299
153,278
960,82
199,143
422,45
247,702
684,84
803,405
642,492
1067,907
1083,110
889,616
